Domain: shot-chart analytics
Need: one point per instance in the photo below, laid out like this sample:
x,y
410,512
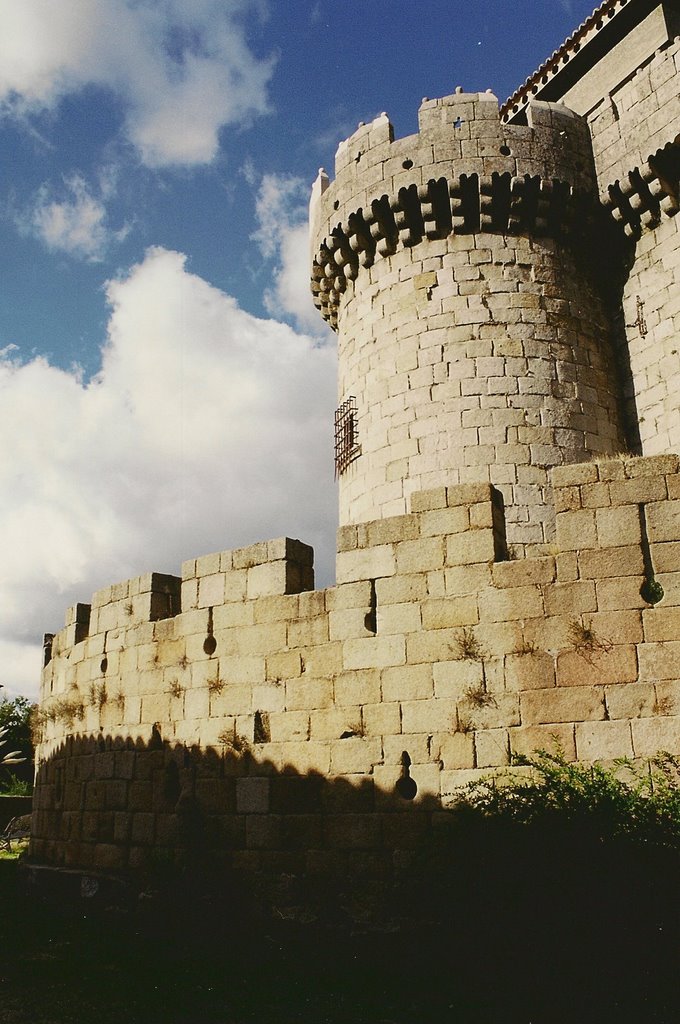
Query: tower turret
x,y
472,341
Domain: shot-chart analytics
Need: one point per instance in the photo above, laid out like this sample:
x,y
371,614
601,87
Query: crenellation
x,y
502,285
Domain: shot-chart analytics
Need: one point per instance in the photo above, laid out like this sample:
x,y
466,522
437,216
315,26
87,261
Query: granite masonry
x,y
504,286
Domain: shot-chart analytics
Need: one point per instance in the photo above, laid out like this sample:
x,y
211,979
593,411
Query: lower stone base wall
x,y
295,730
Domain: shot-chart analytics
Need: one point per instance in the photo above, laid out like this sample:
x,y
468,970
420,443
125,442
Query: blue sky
x,y
166,388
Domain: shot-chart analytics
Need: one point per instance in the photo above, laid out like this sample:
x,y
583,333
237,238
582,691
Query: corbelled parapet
x,y
458,267
464,171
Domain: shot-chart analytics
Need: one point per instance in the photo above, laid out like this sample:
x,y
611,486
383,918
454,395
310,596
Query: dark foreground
x,y
511,927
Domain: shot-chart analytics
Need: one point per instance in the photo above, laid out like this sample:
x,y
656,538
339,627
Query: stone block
x,y
357,687
576,530
374,652
331,723
355,755
420,555
652,735
289,725
518,603
572,704
619,592
433,645
457,751
271,697
574,475
523,572
663,521
618,525
301,757
424,501
445,521
197,703
252,796
660,660
467,579
407,682
283,665
660,624
603,740
277,608
630,700
452,679
492,748
427,780
349,595
211,590
348,623
666,557
263,832
533,670
637,491
352,831
617,664
570,598
235,585
450,612
242,669
401,589
398,618
392,530
304,694
470,548
428,716
233,699
323,660
308,632
608,562
382,719
366,564
555,738
266,579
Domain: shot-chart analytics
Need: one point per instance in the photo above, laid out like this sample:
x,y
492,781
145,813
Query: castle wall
x,y
279,722
651,310
455,266
474,358
637,155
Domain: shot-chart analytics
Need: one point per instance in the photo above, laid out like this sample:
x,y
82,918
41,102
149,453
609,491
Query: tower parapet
x,y
471,334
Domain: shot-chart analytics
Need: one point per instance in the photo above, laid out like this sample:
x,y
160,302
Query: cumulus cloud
x,y
76,224
206,428
181,68
281,209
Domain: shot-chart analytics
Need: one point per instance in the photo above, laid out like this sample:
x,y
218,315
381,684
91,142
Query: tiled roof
x,y
601,16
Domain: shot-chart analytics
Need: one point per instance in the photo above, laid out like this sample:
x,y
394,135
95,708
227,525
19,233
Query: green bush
x,y
16,746
634,801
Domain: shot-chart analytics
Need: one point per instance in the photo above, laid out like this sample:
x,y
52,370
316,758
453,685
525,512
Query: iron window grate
x,y
347,447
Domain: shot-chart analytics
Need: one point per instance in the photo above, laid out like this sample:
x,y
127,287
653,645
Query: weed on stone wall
x,y
586,641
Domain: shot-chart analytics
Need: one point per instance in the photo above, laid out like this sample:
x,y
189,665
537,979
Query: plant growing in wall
x,y
469,647
586,641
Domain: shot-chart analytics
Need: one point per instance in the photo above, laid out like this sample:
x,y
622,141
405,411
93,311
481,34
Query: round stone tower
x,y
456,267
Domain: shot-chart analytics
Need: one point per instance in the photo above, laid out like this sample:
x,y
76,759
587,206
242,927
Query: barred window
x,y
347,447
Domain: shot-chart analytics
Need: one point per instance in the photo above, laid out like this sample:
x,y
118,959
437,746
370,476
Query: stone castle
x,y
505,290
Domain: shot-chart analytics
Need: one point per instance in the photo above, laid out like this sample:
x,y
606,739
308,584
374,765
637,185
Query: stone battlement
x,y
504,286
464,172
432,643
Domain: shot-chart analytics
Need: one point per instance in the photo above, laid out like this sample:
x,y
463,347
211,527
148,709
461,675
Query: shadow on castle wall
x,y
434,909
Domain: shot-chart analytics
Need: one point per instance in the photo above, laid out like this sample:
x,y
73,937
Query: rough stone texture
x,y
153,728
507,305
470,332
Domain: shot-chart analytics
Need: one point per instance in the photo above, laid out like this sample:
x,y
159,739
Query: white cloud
x,y
182,68
281,209
76,225
205,429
